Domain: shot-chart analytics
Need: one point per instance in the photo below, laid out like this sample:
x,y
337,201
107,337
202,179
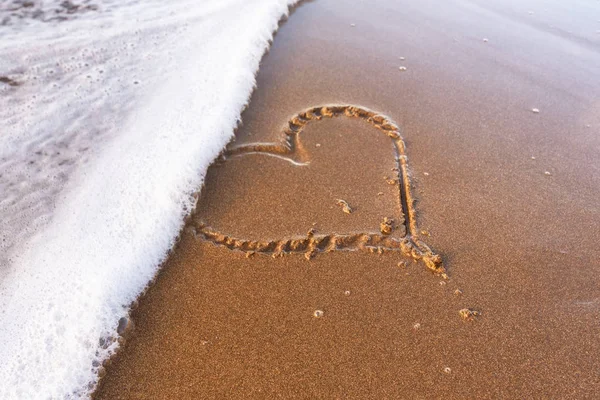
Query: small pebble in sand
x,y
443,283
425,233
533,157
402,264
468,315
588,126
458,292
347,293
318,145
535,110
386,226
485,40
547,173
345,206
447,370
530,12
426,173
318,313
353,25
402,68
401,58
417,326
380,194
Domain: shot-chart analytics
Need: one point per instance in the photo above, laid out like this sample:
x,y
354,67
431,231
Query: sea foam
x,y
110,115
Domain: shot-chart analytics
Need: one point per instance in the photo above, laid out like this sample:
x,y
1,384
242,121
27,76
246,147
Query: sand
x,y
506,195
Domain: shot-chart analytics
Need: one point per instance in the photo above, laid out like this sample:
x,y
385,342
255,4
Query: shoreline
x,y
109,133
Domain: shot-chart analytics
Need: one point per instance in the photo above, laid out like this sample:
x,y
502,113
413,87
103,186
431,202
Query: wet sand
x,y
506,195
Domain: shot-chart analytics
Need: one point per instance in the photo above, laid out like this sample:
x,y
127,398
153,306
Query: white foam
x,y
137,99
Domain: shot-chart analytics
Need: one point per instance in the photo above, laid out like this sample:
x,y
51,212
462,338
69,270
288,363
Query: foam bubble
x,y
98,171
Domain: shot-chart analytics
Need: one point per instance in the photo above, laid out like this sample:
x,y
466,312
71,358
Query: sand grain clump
x,y
468,314
345,206
387,226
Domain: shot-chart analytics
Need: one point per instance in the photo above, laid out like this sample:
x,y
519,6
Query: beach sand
x,y
498,106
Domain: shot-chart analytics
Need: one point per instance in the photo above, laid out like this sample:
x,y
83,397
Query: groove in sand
x,y
312,244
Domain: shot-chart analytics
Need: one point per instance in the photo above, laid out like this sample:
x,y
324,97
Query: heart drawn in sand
x,y
381,239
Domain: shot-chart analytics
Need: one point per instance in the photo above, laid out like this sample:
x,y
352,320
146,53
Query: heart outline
x,y
410,244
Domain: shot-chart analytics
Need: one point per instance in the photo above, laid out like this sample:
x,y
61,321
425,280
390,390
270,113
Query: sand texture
x,y
380,137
